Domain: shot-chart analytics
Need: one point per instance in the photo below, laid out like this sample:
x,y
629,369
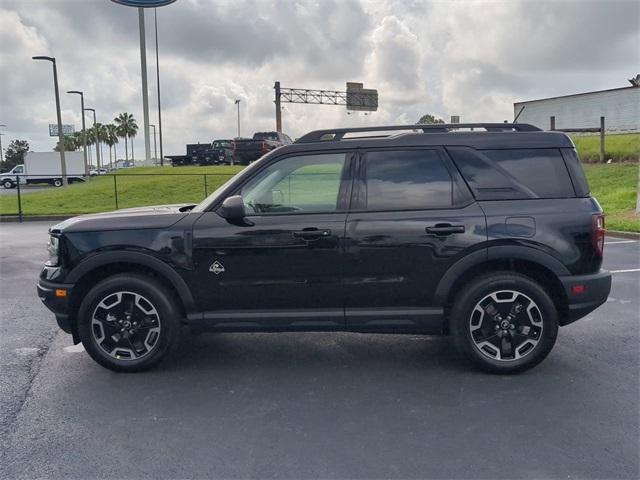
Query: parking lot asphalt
x,y
315,404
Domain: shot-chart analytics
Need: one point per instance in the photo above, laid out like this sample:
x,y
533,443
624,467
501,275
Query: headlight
x,y
52,248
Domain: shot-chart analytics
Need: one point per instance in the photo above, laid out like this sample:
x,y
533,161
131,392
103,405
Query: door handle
x,y
312,233
444,229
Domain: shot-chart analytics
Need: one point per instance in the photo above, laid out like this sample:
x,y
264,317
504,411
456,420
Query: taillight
x,y
233,146
264,146
597,233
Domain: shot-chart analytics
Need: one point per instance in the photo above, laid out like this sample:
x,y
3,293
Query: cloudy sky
x,y
467,58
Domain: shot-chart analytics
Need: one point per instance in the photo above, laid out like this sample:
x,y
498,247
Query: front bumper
x,y
50,294
584,300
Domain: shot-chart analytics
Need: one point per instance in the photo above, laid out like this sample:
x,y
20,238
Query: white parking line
x,y
620,241
626,271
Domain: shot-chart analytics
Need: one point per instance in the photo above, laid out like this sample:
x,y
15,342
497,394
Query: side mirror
x,y
232,209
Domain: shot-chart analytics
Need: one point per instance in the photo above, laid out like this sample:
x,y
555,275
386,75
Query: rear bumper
x,y
59,305
596,288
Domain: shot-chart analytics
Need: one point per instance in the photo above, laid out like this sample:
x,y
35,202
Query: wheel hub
x,y
126,325
506,325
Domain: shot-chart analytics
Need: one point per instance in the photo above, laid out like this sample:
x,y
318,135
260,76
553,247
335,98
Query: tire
x,y
8,184
496,334
153,319
57,182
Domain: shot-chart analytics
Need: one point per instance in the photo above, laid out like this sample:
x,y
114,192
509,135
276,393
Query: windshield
x,y
265,136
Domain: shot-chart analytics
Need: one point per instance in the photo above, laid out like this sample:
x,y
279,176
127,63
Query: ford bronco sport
x,y
485,232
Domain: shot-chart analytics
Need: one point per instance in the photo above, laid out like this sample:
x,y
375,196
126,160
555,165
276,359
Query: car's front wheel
x,y
128,323
504,322
8,184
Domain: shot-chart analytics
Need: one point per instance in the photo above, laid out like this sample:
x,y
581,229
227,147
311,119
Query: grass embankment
x,y
134,189
623,147
614,185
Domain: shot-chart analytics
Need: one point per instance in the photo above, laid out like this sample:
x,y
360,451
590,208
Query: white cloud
x,y
467,58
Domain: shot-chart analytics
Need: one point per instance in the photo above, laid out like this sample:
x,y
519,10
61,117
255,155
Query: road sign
x,y
361,99
67,129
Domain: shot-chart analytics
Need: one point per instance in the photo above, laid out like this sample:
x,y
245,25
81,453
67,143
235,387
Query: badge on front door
x,y
217,268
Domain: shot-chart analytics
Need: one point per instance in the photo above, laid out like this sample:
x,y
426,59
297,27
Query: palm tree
x,y
132,134
101,138
111,138
126,126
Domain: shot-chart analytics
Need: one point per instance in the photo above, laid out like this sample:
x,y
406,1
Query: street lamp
x,y
95,132
63,163
155,146
141,5
238,105
1,157
84,130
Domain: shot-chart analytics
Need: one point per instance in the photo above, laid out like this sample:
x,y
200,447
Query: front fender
x,y
137,258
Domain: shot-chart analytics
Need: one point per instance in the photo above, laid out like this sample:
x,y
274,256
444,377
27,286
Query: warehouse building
x,y
619,106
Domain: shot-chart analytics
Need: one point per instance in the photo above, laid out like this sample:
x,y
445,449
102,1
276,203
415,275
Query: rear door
x,y
412,218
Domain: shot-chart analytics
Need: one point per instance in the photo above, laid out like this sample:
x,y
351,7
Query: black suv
x,y
486,232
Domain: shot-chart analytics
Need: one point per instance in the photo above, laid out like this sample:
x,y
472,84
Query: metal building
x,y
619,106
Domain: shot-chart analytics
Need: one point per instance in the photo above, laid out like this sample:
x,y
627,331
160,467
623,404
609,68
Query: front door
x,y
410,222
281,267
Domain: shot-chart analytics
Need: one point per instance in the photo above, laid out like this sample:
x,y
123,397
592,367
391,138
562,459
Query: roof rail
x,y
337,134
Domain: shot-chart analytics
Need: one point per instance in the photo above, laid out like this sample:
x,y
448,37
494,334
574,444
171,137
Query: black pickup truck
x,y
246,150
218,152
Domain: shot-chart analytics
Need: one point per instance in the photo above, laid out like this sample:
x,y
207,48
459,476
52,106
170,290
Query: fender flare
x,y
498,252
137,258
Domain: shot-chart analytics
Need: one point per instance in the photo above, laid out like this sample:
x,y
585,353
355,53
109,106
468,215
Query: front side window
x,y
407,180
301,184
18,169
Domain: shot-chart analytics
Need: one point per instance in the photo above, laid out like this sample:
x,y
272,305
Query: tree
x,y
14,154
429,119
126,126
111,138
70,144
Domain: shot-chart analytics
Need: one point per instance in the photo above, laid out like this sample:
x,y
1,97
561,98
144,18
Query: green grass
x,y
619,148
614,186
97,195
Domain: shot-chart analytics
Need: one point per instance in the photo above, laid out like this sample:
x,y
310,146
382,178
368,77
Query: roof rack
x,y
337,134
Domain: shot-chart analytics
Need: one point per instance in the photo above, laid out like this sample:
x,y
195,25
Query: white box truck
x,y
44,167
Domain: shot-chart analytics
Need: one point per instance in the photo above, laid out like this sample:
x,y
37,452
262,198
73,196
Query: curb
x,y
34,218
630,235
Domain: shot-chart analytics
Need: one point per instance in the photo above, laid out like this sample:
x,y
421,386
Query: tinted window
x,y
407,180
299,184
572,161
540,170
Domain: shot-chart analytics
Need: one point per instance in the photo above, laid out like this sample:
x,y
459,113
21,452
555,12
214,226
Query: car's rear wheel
x,y
128,323
504,322
57,182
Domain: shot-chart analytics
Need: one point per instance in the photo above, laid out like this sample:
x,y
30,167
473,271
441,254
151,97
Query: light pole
x,y
63,163
141,5
84,130
238,105
155,21
95,132
1,157
155,146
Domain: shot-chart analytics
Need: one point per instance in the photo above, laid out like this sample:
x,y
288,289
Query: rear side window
x,y
572,161
541,170
515,173
407,180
